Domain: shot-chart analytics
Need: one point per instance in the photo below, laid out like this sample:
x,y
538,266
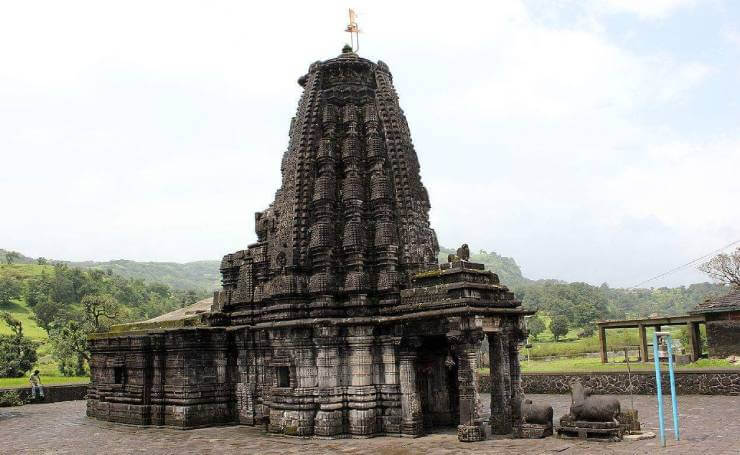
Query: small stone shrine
x,y
338,321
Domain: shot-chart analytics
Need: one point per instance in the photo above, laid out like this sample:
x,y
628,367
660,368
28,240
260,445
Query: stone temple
x,y
338,321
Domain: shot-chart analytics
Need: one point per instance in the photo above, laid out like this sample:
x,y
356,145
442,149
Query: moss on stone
x,y
120,329
428,274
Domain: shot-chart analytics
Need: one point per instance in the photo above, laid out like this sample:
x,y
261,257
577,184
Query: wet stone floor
x,y
709,425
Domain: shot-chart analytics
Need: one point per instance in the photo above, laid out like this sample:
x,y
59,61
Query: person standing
x,y
36,388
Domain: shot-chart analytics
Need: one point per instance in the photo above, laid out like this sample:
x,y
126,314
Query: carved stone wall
x,y
178,378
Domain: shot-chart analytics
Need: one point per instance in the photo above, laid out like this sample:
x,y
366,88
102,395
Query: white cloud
x,y
648,9
732,35
155,131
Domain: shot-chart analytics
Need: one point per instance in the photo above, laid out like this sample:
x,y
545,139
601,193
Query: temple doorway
x,y
436,380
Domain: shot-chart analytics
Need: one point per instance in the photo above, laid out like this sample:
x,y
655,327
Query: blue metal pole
x,y
674,402
659,389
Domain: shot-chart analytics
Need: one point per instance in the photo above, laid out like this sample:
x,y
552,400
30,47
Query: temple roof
x,y
728,302
198,308
348,234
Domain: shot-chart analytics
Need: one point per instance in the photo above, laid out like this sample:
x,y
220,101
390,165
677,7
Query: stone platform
x,y
63,428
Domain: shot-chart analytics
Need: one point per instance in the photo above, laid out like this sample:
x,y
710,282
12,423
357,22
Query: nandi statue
x,y
591,416
536,420
462,254
592,408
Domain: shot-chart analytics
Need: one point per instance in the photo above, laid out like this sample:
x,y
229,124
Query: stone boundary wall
x,y
54,393
706,382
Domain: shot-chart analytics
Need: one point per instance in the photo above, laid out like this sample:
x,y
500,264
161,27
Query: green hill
x,y
200,275
18,307
197,275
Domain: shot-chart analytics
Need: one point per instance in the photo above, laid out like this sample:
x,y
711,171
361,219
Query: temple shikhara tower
x,y
338,321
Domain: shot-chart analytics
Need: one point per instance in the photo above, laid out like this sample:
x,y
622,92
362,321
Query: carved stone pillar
x,y
328,421
361,394
412,423
386,376
501,385
306,380
467,348
517,391
247,378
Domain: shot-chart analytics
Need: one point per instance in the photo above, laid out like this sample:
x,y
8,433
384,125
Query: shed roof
x,y
727,302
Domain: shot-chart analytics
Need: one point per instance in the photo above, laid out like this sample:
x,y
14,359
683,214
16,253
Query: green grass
x,y
571,345
45,380
593,364
18,308
49,374
25,270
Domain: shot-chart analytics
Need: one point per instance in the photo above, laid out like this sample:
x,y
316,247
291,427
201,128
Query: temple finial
x,y
354,31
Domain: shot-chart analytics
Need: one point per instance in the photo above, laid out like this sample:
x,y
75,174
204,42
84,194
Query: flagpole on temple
x,y
353,30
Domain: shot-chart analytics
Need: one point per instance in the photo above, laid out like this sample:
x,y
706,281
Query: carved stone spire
x,y
350,222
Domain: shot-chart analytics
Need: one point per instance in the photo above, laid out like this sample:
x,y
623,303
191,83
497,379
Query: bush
x,y
17,353
535,326
17,356
10,288
11,398
559,326
587,331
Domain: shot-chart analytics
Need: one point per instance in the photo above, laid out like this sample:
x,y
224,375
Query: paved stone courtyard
x,y
709,424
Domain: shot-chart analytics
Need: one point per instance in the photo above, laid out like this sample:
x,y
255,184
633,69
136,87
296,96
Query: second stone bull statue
x,y
592,408
536,413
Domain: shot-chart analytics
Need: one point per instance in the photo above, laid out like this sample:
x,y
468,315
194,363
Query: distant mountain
x,y
202,275
198,275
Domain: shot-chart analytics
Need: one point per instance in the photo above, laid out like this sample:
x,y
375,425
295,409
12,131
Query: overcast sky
x,y
591,141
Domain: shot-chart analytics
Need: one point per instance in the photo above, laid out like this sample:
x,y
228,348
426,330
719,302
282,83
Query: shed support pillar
x,y
694,340
643,343
602,343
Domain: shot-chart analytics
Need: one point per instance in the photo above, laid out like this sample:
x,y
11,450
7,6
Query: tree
x,y
69,347
49,311
99,306
10,288
724,267
535,326
191,297
42,261
559,326
38,290
15,325
11,256
17,353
